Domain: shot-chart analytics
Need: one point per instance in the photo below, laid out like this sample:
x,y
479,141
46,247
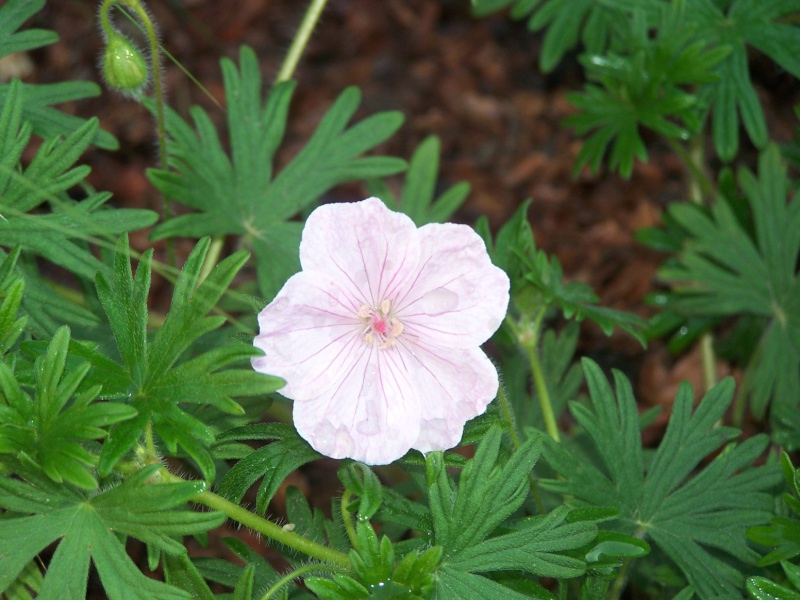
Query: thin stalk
x,y
285,73
527,336
300,40
700,186
145,22
347,519
545,403
700,189
158,89
265,527
299,572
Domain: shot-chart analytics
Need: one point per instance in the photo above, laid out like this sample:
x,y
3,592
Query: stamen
x,y
380,324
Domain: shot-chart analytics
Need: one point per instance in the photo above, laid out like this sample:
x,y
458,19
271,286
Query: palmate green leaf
x,y
766,26
160,387
13,14
274,461
49,174
693,519
43,310
464,516
648,85
87,528
239,194
418,199
596,23
537,280
723,271
52,427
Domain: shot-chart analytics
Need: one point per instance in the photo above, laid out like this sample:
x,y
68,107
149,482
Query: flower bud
x,y
124,67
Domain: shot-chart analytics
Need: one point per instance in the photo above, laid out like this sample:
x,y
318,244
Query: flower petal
x,y
372,415
459,298
310,335
455,385
364,245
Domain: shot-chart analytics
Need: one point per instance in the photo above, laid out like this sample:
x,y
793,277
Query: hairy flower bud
x,y
124,67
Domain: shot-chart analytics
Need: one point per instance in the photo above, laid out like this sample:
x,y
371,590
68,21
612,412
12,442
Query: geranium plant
x,y
430,365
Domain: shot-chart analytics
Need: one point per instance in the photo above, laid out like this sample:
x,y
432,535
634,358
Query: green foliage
x,y
87,528
274,462
783,534
739,24
487,494
662,65
685,515
239,194
359,479
57,235
160,387
537,280
596,23
11,292
724,270
218,570
46,122
51,428
651,87
418,199
762,588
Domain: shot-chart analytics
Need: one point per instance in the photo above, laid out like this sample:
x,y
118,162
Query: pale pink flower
x,y
378,336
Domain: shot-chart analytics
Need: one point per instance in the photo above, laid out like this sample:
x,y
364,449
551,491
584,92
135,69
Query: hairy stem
x,y
347,519
265,527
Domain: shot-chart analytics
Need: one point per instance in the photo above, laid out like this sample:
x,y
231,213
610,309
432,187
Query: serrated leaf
x,y
239,194
723,271
274,462
684,514
85,529
159,389
485,495
53,427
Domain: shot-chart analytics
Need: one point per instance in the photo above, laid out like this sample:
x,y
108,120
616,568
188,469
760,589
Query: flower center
x,y
380,324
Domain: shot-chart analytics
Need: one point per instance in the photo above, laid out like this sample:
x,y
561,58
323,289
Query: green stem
x,y
158,89
545,403
300,40
620,580
158,96
700,186
158,92
265,527
347,519
299,572
700,190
